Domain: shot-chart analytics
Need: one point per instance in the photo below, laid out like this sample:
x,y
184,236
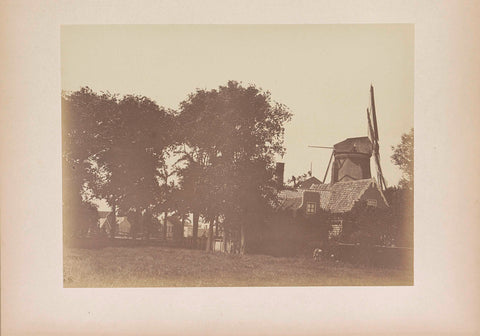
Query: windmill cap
x,y
354,145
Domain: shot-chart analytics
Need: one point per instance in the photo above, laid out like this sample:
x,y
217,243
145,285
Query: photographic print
x,y
237,155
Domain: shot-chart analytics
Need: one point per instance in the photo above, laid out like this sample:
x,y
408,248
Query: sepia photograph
x,y
239,168
239,155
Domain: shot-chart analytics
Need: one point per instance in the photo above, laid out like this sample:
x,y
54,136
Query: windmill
x,y
373,136
351,157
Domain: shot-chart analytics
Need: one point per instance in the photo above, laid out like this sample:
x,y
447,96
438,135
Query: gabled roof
x,y
290,199
339,197
308,183
358,145
102,222
103,214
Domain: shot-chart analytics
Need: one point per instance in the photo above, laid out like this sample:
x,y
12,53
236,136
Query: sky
x,y
322,73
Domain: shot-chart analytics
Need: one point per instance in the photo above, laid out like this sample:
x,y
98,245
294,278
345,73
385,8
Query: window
x,y
311,208
372,202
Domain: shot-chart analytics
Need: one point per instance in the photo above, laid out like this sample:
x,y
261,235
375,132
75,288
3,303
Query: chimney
x,y
279,169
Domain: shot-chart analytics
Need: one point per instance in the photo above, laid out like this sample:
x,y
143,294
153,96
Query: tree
x,y
401,210
403,157
113,149
368,225
81,139
231,136
136,138
166,202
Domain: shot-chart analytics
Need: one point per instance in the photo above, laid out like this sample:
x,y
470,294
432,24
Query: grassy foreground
x,y
169,267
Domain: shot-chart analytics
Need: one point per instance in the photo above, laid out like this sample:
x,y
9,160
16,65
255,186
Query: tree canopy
x,y
231,135
225,139
113,148
403,157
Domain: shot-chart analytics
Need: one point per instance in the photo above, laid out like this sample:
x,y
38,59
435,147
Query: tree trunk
x,y
225,240
208,248
182,229
243,241
195,229
113,229
147,224
165,226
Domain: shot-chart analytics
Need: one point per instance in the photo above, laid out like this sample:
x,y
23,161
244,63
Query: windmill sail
x,y
373,135
370,127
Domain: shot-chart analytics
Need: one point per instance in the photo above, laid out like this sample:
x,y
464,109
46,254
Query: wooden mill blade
x,y
328,167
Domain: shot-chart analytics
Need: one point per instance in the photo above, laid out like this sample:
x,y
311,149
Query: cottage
x,y
336,198
351,182
105,223
124,227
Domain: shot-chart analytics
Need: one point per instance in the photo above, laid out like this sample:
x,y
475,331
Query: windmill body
x,y
352,160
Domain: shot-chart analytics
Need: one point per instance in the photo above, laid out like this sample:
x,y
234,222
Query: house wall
x,y
124,227
310,197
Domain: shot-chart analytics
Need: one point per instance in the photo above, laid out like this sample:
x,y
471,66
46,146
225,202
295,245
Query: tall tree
x,y
232,135
117,146
83,113
403,157
137,139
193,187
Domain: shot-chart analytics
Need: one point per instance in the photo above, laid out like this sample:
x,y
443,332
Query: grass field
x,y
162,266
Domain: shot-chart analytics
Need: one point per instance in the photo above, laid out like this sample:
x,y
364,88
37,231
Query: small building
x,y
337,199
124,227
105,223
307,184
188,229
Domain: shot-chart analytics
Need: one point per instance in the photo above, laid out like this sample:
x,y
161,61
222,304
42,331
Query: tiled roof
x,y
343,195
290,199
338,197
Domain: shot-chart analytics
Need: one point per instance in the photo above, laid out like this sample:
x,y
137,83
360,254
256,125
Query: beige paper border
x,y
445,297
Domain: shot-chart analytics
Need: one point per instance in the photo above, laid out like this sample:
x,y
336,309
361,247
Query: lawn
x,y
171,267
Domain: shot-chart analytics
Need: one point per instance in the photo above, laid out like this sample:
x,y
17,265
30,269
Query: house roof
x,y
358,145
290,199
103,214
102,222
339,197
308,183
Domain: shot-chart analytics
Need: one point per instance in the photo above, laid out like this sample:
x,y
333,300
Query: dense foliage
x,y
112,150
224,141
231,135
403,157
